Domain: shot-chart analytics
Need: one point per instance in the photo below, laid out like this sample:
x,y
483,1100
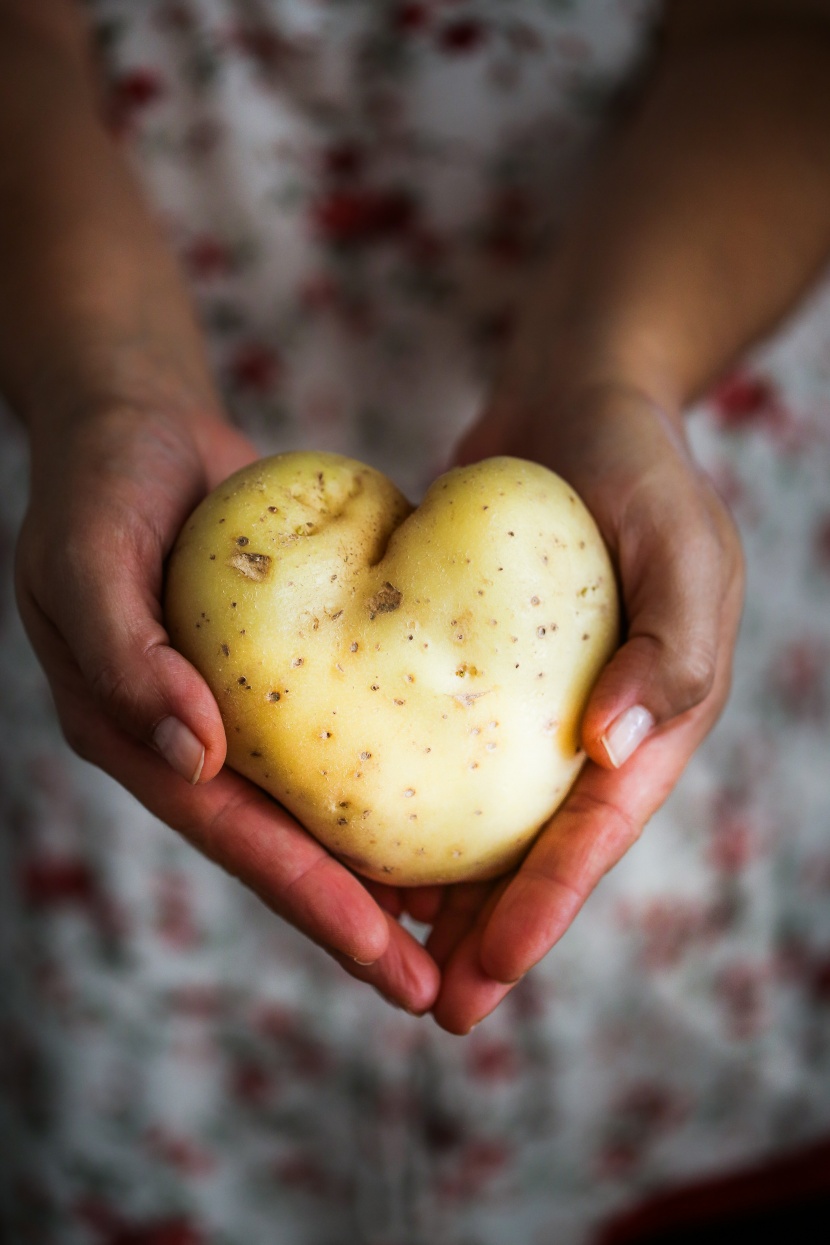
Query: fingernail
x,y
624,736
364,963
180,748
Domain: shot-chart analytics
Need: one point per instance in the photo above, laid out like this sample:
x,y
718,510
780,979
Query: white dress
x,y
356,189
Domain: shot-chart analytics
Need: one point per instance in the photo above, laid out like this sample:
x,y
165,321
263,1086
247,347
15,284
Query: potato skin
x,y
409,684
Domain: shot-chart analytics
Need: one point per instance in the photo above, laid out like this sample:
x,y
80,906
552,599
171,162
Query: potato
x,y
408,683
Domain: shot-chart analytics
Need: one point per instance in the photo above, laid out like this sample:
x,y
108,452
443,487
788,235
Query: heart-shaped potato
x,y
409,683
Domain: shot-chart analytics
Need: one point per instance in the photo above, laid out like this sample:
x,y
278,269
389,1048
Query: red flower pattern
x,y
799,678
131,94
357,217
50,881
744,400
255,368
207,256
461,36
408,18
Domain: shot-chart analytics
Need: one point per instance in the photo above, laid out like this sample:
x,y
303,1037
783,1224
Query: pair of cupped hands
x,y
113,480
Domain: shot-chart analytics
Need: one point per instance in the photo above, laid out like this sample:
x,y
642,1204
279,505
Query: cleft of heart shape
x,y
409,683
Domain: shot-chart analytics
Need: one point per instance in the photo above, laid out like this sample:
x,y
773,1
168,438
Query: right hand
x,y
111,489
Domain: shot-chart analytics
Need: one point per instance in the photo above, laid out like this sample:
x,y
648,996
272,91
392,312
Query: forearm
x,y
707,220
89,295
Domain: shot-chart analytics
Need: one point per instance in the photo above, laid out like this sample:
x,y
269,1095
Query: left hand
x,y
679,564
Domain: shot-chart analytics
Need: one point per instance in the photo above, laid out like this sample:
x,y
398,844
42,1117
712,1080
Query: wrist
x,y
557,386
580,338
100,371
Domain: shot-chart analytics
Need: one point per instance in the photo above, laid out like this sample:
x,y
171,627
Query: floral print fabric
x,y
356,191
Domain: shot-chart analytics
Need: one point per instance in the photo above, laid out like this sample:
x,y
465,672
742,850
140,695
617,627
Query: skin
x,y
706,220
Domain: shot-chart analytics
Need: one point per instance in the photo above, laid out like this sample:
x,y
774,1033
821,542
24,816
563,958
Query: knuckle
x,y
693,677
108,686
128,690
618,824
112,690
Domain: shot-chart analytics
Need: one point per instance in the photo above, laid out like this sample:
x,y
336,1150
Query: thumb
x,y
681,574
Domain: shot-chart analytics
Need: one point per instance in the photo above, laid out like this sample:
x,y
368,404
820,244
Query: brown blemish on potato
x,y
242,540
408,794
466,699
226,652
364,756
255,566
385,600
242,680
273,697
